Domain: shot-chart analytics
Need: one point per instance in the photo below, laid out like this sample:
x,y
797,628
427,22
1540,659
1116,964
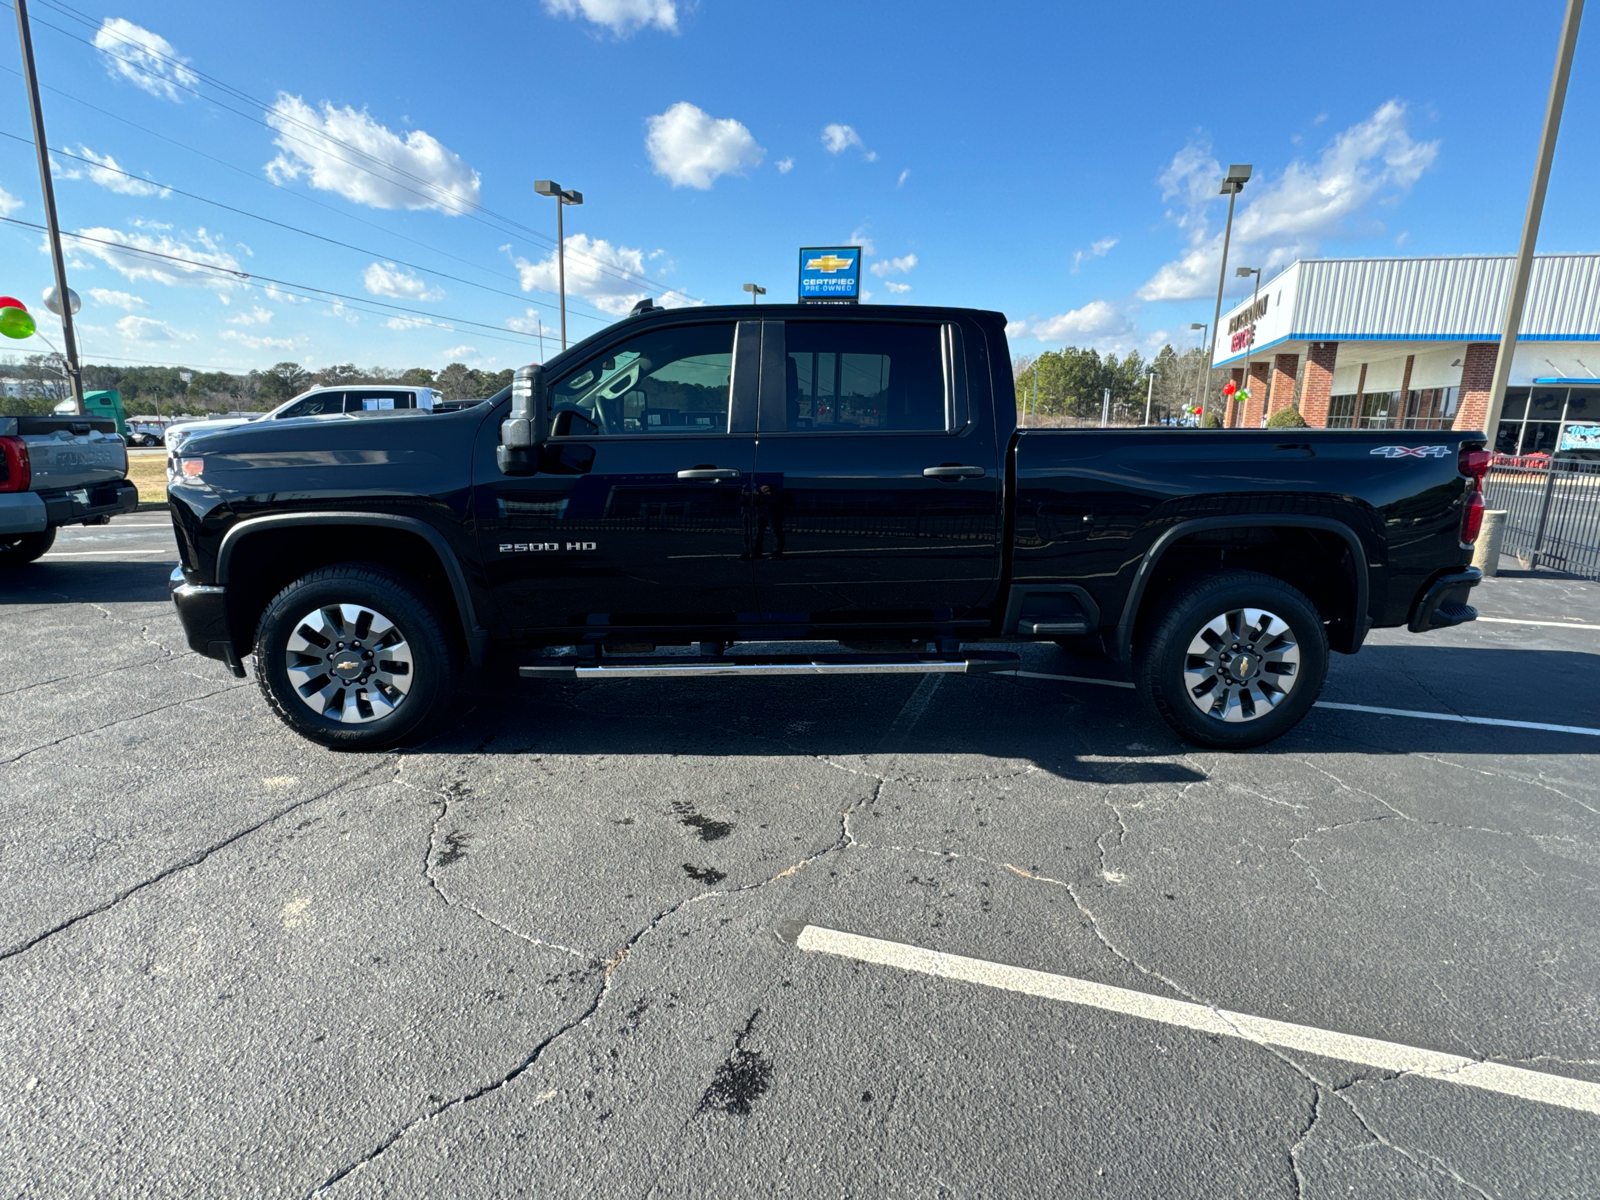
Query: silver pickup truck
x,y
55,471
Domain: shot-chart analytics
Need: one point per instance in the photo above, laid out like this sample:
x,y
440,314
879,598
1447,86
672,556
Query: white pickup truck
x,y
55,471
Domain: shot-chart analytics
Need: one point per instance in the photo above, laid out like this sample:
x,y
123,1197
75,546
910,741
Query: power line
x,y
603,317
521,299
287,286
324,137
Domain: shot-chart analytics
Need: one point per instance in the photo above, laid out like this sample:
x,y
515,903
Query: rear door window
x,y
370,401
847,377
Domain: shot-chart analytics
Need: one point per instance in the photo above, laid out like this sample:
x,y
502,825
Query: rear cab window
x,y
843,377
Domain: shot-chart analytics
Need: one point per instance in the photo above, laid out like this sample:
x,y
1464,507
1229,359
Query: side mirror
x,y
525,429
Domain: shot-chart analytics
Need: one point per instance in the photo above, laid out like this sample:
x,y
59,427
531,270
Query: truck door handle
x,y
711,473
952,471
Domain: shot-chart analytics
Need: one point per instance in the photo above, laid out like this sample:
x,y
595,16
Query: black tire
x,y
1273,693
430,676
17,549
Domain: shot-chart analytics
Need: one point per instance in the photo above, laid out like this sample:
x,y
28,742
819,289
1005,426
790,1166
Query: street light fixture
x,y
548,187
1255,297
1205,367
1232,184
755,290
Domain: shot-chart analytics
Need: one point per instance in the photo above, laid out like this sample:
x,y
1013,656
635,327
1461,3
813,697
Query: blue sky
x,y
1055,161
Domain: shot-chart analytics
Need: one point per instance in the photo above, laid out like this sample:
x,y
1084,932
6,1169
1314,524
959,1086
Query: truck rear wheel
x,y
1233,660
19,548
354,657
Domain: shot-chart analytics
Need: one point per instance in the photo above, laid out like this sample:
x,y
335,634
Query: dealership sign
x,y
830,273
1580,437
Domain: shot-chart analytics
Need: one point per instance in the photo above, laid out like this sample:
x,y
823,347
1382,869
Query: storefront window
x,y
1583,405
1516,404
1547,404
1505,441
1341,412
1375,410
1540,437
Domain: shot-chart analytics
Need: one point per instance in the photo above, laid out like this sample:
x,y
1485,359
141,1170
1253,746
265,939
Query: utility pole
x,y
1105,408
1205,367
1530,221
47,185
1149,395
1232,184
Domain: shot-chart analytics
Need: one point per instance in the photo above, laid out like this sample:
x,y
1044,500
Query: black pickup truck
x,y
685,484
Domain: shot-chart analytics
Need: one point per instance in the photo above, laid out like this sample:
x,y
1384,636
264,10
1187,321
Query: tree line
x,y
1072,382
162,390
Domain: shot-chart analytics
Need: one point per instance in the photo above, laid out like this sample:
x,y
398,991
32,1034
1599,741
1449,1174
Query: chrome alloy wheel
x,y
1241,665
349,663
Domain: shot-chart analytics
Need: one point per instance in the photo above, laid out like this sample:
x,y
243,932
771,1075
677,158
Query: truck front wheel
x,y
1233,660
19,548
354,657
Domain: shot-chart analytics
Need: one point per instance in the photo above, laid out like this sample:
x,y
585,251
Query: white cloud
x,y
1015,329
1097,318
146,60
283,297
460,354
532,322
126,301
605,275
691,148
904,175
256,316
109,174
386,279
345,151
251,341
1373,162
8,203
622,17
1097,249
784,165
899,289
860,238
417,323
836,139
144,329
893,266
183,263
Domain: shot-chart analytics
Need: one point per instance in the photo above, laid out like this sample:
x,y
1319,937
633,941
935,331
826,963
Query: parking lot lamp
x,y
1255,298
755,290
1232,184
548,187
1149,395
1205,367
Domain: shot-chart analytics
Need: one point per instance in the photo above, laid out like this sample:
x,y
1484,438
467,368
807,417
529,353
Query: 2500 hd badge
x,y
534,547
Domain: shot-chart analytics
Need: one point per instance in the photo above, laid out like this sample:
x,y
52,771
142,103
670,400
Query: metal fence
x,y
1552,509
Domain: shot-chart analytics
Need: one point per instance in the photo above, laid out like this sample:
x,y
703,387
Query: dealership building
x,y
1411,343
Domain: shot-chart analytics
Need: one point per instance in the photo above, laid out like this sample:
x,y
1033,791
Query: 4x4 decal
x,y
1411,451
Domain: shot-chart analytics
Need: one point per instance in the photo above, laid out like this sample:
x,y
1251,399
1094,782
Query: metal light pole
x,y
755,290
1205,367
1232,184
547,187
31,77
1530,221
1255,298
1149,395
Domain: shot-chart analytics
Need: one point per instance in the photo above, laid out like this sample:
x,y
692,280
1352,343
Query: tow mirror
x,y
525,429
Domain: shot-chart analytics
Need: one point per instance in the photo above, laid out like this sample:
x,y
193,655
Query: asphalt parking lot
x,y
988,936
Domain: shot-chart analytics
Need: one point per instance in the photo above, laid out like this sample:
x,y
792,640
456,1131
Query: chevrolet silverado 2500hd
x,y
851,475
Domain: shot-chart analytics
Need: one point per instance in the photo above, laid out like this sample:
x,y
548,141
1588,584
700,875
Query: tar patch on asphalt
x,y
709,876
709,830
740,1079
455,848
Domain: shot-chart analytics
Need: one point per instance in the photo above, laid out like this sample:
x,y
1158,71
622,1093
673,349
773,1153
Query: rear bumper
x,y
1444,603
72,505
203,612
22,512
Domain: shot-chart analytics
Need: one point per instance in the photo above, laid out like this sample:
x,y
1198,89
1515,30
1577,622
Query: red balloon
x,y
12,302
1229,388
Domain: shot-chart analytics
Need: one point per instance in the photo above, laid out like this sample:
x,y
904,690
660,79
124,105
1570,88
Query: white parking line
x,y
1546,624
1457,717
104,553
1416,714
1263,1031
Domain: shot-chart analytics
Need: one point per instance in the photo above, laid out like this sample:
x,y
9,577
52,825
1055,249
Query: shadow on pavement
x,y
48,582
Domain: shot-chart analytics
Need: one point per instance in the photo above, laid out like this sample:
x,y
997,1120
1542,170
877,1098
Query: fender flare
x,y
477,636
1361,617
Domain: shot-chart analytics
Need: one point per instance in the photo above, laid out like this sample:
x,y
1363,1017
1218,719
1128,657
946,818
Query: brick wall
x,y
1284,368
1318,385
1257,404
1477,373
1237,375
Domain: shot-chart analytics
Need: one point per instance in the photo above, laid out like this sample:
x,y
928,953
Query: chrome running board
x,y
763,665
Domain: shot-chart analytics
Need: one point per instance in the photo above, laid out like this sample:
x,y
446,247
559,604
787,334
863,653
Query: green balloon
x,y
16,323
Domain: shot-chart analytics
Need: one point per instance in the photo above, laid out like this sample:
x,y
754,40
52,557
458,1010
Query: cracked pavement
x,y
543,951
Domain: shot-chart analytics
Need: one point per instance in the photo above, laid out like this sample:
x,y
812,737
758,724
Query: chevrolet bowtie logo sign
x,y
829,263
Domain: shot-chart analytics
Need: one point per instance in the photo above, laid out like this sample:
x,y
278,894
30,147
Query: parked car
x,y
850,475
55,471
318,401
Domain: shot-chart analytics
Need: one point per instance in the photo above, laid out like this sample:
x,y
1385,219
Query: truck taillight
x,y
1472,517
1473,462
16,473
